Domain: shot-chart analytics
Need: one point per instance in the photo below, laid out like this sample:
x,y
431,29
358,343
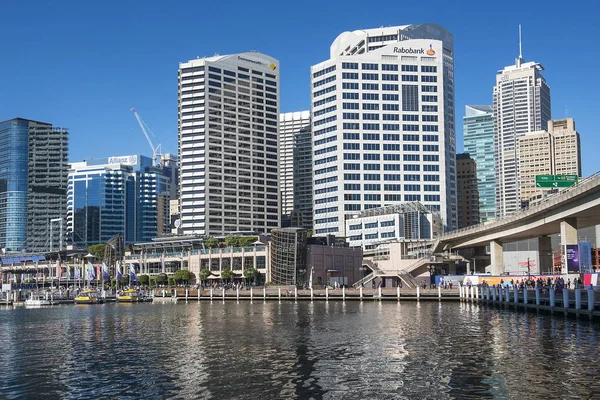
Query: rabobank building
x,y
383,124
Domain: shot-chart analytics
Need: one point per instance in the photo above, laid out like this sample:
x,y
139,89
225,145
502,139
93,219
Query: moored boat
x,y
128,296
88,297
34,301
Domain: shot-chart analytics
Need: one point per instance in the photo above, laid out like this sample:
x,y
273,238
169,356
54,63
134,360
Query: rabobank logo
x,y
430,51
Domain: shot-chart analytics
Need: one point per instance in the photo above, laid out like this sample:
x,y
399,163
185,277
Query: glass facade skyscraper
x,y
33,181
118,195
478,134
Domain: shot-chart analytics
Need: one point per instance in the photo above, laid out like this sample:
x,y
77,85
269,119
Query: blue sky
x,y
83,65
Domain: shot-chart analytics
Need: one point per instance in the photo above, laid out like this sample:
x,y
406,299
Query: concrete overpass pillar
x,y
545,260
568,235
497,258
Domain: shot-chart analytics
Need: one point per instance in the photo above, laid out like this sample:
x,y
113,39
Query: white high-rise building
x,y
228,144
521,105
295,166
383,124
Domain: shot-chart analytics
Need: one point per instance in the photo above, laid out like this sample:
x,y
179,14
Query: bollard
x,y
477,292
186,293
591,298
516,295
398,292
552,298
279,293
295,292
379,290
500,290
460,293
211,293
487,293
525,296
494,293
311,293
566,298
250,292
265,292
578,299
418,292
164,293
223,292
327,292
537,295
344,293
506,294
361,290
237,293
439,292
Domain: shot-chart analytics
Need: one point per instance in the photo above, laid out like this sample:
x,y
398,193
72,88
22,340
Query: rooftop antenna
x,y
520,43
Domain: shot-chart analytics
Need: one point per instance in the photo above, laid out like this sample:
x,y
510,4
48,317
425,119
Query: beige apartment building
x,y
553,152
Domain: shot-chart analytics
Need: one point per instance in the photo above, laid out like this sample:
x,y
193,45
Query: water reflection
x,y
302,349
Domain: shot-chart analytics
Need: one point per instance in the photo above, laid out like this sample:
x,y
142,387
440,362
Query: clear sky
x,y
83,64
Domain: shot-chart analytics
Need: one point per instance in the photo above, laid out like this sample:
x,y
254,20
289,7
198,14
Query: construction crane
x,y
155,150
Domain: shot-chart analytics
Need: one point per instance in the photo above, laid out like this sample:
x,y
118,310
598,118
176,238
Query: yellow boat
x,y
128,296
88,297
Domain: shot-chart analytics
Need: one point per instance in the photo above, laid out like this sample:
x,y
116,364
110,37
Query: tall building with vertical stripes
x,y
295,166
383,124
228,117
521,105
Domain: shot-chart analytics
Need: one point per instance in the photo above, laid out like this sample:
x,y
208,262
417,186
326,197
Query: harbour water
x,y
272,350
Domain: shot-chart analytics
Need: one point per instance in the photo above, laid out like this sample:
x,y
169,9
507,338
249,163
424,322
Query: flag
x,y
90,271
77,273
105,276
98,270
58,270
132,277
118,273
68,272
162,263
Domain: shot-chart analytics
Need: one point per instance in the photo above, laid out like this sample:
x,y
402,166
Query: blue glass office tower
x,y
33,182
118,195
478,134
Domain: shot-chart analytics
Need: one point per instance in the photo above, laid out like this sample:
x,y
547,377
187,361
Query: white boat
x,y
37,302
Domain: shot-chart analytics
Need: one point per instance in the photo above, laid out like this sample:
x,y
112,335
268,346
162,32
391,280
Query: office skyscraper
x,y
33,182
118,195
478,135
383,124
295,159
553,152
521,105
228,144
468,190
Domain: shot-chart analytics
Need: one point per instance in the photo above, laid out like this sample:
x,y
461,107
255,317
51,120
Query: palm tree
x,y
226,274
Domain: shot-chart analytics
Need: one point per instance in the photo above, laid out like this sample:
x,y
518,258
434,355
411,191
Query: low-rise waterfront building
x,y
406,221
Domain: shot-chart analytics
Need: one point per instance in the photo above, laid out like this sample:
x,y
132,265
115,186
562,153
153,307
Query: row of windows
x,y
387,67
324,71
386,177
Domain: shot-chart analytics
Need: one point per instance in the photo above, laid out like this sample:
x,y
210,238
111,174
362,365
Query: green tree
x,y
97,250
113,282
144,279
226,274
247,241
161,279
232,241
152,282
171,281
211,243
204,274
183,275
124,280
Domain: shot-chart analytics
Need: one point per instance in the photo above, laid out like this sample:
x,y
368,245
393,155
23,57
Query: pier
x,y
579,302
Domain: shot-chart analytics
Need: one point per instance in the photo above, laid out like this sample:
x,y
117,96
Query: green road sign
x,y
555,181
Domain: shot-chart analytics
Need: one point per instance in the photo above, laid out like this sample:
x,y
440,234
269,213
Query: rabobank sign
x,y
404,50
